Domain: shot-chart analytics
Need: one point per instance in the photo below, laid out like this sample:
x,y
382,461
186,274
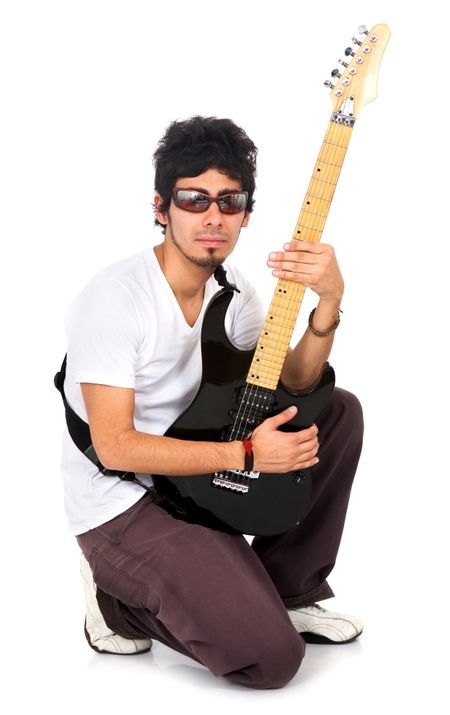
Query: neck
x,y
276,334
186,280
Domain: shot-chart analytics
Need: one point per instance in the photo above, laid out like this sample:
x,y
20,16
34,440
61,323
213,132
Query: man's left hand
x,y
313,264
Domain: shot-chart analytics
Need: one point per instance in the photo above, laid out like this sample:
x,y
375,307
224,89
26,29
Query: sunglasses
x,y
197,202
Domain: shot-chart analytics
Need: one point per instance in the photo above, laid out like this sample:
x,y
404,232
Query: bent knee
x,y
281,666
350,407
274,665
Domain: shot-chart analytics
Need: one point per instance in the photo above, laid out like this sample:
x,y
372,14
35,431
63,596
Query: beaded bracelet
x,y
323,333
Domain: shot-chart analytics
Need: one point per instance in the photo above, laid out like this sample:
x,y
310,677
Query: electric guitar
x,y
240,389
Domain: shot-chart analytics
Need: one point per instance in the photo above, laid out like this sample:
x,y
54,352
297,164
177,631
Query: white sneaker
x,y
317,625
98,635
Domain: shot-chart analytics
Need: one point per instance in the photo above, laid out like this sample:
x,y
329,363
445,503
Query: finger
x,y
298,256
309,279
308,463
302,245
310,445
283,417
294,262
308,453
304,435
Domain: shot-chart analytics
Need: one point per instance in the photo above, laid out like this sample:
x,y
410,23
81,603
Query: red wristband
x,y
249,457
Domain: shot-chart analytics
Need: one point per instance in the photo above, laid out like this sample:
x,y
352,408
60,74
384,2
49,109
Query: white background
x,y
87,89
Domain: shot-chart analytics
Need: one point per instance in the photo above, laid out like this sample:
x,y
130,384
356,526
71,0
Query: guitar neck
x,y
275,337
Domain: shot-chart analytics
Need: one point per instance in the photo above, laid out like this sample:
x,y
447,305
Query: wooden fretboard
x,y
279,324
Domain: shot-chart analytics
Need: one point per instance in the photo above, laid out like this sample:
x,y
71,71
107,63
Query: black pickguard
x,y
274,502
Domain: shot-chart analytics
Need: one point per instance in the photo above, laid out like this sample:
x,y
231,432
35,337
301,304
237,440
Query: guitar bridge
x,y
235,480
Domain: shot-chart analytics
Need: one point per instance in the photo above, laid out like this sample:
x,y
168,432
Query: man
x,y
133,365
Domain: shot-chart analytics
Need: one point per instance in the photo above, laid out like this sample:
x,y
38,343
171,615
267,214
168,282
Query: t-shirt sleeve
x,y
103,335
245,316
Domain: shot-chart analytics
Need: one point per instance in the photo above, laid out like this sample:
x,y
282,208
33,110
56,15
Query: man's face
x,y
205,239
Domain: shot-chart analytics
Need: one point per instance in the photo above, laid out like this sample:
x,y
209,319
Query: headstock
x,y
356,85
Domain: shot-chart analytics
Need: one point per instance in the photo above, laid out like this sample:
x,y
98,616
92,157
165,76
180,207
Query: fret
x,y
270,383
314,213
324,181
283,309
265,371
283,304
316,196
258,374
329,163
329,173
341,146
321,188
270,351
306,236
303,225
281,333
282,300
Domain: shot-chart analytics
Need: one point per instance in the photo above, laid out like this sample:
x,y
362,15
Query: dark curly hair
x,y
192,146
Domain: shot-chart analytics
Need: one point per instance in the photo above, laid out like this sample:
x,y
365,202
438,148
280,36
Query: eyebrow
x,y
222,192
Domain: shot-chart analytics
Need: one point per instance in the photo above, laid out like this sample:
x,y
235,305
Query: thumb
x,y
283,417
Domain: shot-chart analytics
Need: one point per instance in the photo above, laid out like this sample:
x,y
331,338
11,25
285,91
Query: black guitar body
x,y
266,504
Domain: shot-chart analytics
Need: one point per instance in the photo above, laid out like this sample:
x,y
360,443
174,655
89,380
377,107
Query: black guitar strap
x,y
220,275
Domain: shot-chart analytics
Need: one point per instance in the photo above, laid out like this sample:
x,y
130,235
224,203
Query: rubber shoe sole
x,y
323,640
115,652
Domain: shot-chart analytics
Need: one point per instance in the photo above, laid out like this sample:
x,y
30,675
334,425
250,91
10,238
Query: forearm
x,y
140,452
304,363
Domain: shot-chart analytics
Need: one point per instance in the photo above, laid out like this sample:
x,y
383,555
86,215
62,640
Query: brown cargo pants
x,y
213,596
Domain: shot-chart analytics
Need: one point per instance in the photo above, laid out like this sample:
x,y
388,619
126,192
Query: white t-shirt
x,y
126,329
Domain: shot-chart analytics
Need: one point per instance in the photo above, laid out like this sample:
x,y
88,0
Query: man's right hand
x,y
276,451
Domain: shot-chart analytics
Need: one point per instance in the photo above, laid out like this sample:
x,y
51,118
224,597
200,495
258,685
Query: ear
x,y
246,219
160,215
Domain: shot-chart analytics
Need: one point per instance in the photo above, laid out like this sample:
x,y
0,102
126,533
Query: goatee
x,y
209,261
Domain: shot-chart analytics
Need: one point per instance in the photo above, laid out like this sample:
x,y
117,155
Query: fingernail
x,y
292,409
287,246
272,256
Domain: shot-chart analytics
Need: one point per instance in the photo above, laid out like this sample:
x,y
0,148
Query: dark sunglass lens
x,y
192,201
233,203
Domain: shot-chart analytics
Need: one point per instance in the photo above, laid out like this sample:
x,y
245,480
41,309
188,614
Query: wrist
x,y
330,303
235,455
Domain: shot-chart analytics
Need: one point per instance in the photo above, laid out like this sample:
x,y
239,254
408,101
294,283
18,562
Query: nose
x,y
212,216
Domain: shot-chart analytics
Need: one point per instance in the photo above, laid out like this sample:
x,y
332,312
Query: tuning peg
x,y
362,29
336,73
341,62
355,41
349,52
329,84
